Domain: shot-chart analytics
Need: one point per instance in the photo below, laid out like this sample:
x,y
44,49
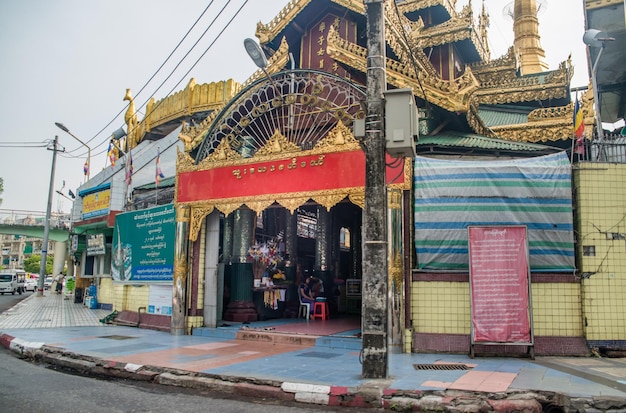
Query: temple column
x,y
396,267
178,325
323,250
241,307
227,252
225,267
291,265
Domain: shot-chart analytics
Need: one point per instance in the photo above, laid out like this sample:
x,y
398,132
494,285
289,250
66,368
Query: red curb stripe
x,y
5,340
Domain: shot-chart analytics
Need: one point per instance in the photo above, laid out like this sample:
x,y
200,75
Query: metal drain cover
x,y
117,337
442,366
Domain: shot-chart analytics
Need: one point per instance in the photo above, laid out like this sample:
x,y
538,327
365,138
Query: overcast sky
x,y
70,61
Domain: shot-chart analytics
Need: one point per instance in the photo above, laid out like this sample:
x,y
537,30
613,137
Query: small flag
x,y
112,155
579,128
86,168
129,169
158,173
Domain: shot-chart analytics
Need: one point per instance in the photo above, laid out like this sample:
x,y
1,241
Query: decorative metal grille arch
x,y
303,105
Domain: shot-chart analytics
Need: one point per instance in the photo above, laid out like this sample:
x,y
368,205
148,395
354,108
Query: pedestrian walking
x,y
59,281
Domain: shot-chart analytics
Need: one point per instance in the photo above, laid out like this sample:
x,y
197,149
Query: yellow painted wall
x,y
557,309
440,307
444,308
123,297
600,191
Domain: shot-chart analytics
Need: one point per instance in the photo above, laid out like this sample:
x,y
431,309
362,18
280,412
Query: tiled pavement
x,y
329,356
49,311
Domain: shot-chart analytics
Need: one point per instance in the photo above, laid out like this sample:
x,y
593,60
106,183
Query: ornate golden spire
x,y
528,48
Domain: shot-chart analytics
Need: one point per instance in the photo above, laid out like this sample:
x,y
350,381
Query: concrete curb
x,y
371,395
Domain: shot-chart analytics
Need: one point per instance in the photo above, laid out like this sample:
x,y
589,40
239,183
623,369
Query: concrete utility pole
x,y
374,288
46,230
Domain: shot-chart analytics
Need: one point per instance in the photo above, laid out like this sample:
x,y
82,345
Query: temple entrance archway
x,y
282,148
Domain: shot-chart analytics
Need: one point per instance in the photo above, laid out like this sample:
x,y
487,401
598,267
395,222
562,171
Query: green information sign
x,y
143,245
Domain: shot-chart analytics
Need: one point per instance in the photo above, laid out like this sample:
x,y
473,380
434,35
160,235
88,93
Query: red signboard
x,y
299,174
499,283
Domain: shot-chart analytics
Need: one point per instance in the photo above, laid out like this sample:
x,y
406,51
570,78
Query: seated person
x,y
306,294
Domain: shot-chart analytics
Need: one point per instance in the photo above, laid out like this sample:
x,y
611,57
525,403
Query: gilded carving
x,y
267,32
277,146
396,268
197,218
292,204
453,95
227,209
340,138
222,154
259,206
415,5
358,198
194,98
394,199
329,199
184,162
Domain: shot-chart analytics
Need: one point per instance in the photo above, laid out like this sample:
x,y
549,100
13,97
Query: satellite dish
x,y
509,10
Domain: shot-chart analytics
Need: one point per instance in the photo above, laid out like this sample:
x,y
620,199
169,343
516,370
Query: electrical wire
x,y
406,44
24,144
197,60
153,75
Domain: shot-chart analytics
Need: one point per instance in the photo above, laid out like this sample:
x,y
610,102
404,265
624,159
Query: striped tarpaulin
x,y
451,195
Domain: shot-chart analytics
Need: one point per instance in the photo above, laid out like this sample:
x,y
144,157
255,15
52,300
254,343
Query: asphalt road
x,y
8,300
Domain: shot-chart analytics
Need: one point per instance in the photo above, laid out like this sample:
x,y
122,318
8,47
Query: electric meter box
x,y
401,123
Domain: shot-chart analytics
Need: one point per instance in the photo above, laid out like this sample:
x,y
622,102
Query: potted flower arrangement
x,y
264,256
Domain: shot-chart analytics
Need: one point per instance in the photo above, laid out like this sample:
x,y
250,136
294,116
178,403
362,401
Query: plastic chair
x,y
304,308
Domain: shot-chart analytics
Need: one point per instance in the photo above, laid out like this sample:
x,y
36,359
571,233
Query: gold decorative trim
x,y
550,124
184,162
394,199
222,153
358,198
329,200
408,176
194,98
192,136
259,206
267,32
505,87
277,145
340,138
416,5
452,95
197,217
459,27
293,203
497,70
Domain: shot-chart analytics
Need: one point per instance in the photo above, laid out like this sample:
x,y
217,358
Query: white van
x,y
12,281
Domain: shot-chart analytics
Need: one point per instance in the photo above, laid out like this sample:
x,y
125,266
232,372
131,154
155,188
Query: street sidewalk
x,y
259,360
